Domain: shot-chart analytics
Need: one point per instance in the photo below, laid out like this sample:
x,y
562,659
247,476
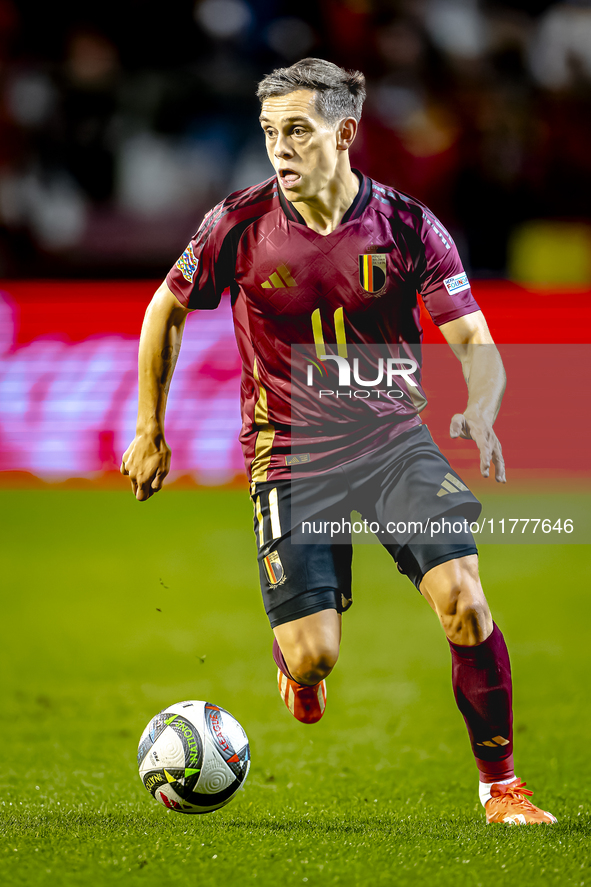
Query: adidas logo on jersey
x,y
279,278
451,484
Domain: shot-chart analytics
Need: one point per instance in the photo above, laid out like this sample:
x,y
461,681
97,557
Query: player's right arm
x,y
147,459
196,281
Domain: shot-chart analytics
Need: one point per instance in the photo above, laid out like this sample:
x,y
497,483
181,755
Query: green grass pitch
x,y
381,792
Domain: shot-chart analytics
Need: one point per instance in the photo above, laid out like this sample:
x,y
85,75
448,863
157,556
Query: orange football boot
x,y
508,803
306,704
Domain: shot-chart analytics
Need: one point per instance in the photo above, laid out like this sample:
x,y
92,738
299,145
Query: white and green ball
x,y
193,757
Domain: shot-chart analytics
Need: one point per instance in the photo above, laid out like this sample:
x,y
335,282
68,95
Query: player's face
x,y
302,147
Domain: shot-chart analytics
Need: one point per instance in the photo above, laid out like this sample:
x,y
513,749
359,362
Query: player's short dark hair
x,y
339,93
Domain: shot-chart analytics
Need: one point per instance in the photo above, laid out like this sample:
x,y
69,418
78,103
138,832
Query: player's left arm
x,y
472,343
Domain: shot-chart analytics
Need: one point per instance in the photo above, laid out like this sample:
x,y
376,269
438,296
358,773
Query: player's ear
x,y
346,132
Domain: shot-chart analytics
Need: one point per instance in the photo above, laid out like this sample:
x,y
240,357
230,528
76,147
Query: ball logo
x,y
213,714
189,738
153,780
227,748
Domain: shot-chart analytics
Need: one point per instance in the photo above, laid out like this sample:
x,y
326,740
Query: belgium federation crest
x,y
372,272
274,569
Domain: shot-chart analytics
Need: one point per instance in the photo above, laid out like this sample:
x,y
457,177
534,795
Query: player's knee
x,y
468,621
462,608
312,666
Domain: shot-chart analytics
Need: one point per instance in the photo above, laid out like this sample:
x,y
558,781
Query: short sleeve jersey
x,y
299,297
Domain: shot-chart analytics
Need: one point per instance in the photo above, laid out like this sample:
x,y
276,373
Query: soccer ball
x,y
193,757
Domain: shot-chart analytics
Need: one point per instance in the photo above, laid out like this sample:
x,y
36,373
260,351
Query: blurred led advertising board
x,y
68,381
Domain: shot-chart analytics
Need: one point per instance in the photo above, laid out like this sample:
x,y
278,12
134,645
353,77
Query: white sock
x,y
484,788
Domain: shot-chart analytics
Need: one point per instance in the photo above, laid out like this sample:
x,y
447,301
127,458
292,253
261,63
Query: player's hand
x,y
472,426
146,462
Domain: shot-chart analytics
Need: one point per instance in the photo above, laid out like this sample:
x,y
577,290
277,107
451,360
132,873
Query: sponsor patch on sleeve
x,y
188,264
457,284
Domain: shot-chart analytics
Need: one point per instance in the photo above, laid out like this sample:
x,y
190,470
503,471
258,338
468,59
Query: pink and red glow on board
x,y
68,380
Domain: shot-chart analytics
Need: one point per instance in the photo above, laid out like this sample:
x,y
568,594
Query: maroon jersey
x,y
297,294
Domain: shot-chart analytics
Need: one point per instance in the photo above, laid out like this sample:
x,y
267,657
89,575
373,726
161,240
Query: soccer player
x,y
321,254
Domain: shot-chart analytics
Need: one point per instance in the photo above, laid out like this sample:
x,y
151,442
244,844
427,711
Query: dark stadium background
x,y
121,123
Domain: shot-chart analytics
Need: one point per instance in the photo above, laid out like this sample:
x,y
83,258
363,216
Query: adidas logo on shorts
x,y
451,484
